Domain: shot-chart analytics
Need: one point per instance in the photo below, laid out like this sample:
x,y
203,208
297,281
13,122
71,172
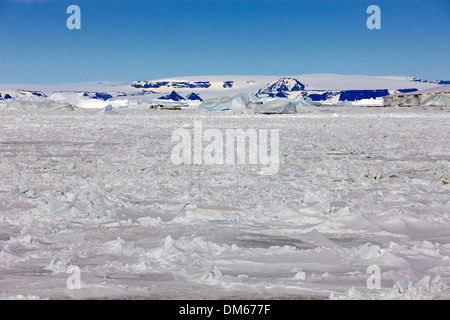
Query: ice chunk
x,y
300,275
206,212
9,248
56,207
424,289
98,204
120,247
149,221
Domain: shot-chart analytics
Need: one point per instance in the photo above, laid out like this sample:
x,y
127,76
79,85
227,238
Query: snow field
x,y
356,187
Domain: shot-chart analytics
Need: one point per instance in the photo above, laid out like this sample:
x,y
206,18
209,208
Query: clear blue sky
x,y
144,40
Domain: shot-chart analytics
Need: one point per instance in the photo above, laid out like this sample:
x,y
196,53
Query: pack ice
x,y
92,207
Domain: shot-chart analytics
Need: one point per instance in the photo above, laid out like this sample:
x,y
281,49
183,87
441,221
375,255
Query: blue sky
x,y
144,40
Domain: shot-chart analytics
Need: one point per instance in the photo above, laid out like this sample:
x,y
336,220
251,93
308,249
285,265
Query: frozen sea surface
x,y
356,188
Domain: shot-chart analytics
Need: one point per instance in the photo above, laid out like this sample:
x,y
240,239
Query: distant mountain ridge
x,y
317,87
171,84
172,96
443,82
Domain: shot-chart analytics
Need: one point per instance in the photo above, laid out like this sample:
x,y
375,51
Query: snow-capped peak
x,y
281,85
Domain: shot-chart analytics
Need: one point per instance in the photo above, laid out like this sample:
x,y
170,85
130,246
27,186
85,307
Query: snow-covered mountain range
x,y
326,88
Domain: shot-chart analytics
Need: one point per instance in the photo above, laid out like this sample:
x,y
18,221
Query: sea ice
x,y
356,188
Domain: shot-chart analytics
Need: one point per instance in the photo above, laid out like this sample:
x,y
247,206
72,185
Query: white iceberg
x,y
39,104
375,102
93,104
242,103
120,103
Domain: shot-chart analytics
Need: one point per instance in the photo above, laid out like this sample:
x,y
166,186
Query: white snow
x,y
356,187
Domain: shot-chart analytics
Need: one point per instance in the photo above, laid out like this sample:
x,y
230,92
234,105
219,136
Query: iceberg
x,y
438,96
36,104
120,103
93,104
274,106
237,103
